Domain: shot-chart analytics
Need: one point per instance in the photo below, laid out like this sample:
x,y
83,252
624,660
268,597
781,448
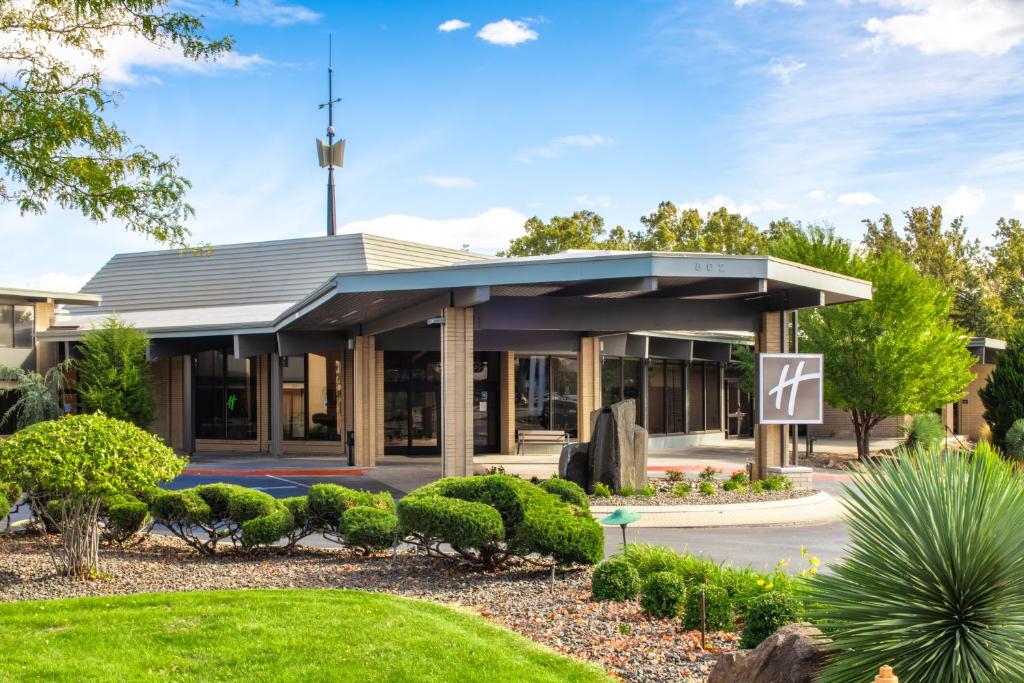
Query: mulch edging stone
x,y
520,598
664,495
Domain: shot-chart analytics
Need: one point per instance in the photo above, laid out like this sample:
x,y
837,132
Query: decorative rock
x,y
793,654
615,458
574,464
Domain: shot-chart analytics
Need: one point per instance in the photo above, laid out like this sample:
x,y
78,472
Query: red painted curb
x,y
292,473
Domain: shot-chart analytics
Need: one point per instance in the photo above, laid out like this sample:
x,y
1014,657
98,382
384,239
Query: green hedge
x,y
569,491
614,579
766,614
122,517
487,520
662,595
717,609
369,528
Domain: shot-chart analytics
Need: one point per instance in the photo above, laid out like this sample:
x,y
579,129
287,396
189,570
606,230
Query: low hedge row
x,y
205,515
486,520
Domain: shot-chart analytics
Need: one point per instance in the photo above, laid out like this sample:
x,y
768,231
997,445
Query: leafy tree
x,y
671,229
113,375
57,145
39,397
897,354
1006,270
582,230
1003,393
942,253
100,457
813,245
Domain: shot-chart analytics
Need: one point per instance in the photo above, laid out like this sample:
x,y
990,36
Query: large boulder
x,y
793,654
574,464
617,458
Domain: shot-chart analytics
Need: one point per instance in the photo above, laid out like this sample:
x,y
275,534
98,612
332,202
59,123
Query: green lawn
x,y
290,635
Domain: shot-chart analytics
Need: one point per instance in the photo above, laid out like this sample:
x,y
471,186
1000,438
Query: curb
x,y
821,507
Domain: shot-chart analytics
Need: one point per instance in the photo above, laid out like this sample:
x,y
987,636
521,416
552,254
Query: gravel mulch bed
x,y
615,636
664,495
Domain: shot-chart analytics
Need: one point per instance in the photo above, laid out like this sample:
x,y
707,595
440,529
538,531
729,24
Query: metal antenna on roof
x,y
330,153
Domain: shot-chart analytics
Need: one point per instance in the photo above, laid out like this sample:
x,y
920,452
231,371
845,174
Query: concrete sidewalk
x,y
819,508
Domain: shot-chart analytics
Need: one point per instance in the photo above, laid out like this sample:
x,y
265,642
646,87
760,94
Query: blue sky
x,y
816,110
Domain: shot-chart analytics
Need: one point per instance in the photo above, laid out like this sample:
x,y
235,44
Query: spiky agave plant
x,y
933,583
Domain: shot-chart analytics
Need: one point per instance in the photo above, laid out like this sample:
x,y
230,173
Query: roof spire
x,y
330,153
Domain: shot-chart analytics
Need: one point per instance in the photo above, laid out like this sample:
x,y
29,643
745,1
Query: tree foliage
x,y
57,145
99,457
582,230
1006,271
669,228
1003,393
113,375
39,397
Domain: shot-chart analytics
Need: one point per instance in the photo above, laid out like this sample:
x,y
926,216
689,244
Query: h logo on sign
x,y
792,384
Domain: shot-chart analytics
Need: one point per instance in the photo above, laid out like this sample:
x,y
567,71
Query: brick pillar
x,y
769,440
46,352
507,403
346,394
588,385
378,390
364,390
457,393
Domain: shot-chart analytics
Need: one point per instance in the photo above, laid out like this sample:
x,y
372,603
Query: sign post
x,y
790,391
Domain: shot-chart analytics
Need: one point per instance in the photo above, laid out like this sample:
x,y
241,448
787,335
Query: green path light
x,y
623,518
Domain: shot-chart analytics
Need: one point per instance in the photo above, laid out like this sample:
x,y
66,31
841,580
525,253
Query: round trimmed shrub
x,y
766,614
614,579
218,496
247,504
717,609
266,530
488,519
123,517
662,595
5,505
569,491
369,528
328,502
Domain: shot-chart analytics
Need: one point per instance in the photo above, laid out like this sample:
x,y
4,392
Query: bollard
x,y
885,675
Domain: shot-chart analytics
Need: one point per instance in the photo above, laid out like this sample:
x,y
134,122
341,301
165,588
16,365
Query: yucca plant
x,y
933,583
1014,441
924,431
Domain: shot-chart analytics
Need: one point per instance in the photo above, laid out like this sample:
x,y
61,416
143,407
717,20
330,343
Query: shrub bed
x,y
663,594
766,614
615,579
487,520
717,609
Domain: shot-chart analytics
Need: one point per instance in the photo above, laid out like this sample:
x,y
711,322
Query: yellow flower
x,y
760,582
815,562
769,586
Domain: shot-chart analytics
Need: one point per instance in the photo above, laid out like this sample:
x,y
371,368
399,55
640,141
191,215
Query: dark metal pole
x,y
796,349
331,229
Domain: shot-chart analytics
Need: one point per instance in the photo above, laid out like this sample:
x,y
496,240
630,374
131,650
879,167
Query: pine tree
x,y
1003,393
113,375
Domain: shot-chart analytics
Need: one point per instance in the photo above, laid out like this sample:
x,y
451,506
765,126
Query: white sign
x,y
790,388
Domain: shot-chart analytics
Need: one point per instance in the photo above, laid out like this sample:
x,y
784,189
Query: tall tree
x,y
113,375
57,145
897,354
1003,393
669,228
582,230
1006,271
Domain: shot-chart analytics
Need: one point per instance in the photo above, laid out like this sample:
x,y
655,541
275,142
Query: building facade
x,y
307,346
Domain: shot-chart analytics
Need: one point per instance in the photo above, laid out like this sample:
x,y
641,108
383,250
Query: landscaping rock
x,y
614,458
793,654
574,464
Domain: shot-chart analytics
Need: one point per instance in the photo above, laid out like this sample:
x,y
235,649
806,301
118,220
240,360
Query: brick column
x,y
457,393
364,399
769,440
588,385
46,352
507,403
378,391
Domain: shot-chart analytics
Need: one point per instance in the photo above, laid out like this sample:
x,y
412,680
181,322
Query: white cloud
x,y
784,69
449,182
1002,163
558,146
487,232
507,32
452,25
252,11
966,201
858,199
718,201
57,282
982,27
601,200
819,196
1018,202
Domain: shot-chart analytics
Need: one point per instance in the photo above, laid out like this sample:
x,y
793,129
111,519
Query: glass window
x,y
631,369
225,396
712,391
656,397
6,327
611,380
695,390
674,405
310,391
24,319
546,393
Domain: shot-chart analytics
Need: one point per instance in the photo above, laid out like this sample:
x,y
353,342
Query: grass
x,y
267,635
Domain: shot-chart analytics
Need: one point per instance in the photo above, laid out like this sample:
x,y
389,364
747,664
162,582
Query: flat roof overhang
x,y
16,294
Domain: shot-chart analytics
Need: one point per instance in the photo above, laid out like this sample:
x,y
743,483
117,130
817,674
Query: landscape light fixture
x,y
330,154
621,517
